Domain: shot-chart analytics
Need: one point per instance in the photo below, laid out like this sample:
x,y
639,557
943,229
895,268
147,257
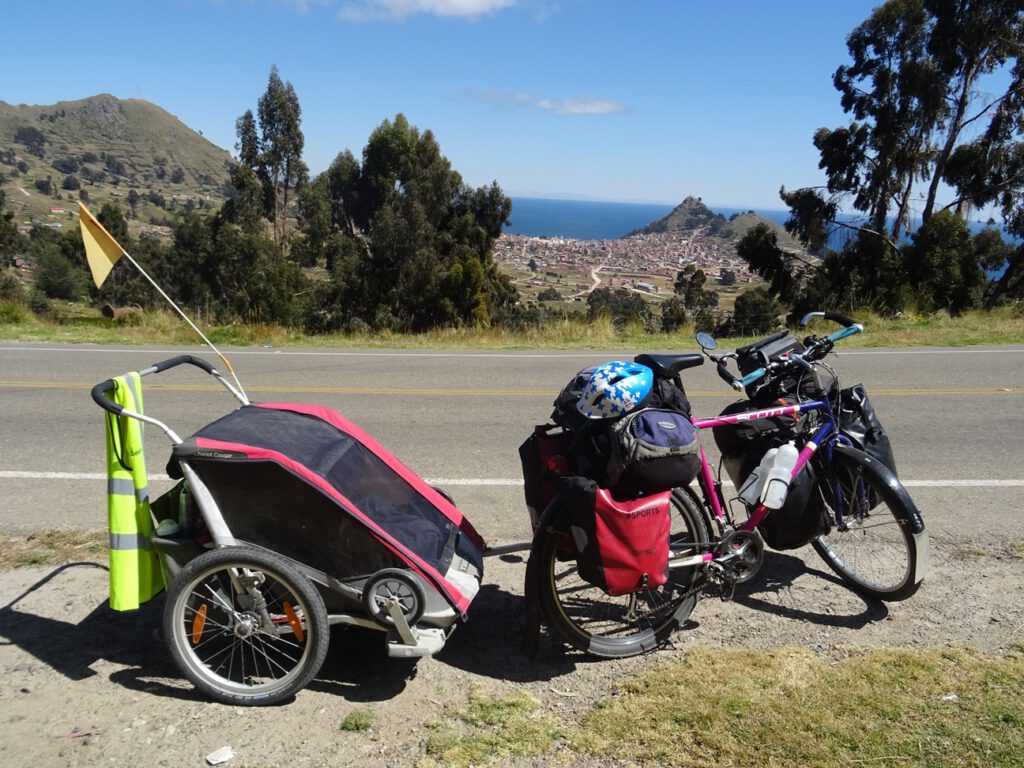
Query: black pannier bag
x,y
859,422
742,445
621,546
544,458
651,451
803,516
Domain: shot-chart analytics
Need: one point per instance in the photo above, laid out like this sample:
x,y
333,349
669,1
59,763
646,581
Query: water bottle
x,y
750,491
773,495
184,512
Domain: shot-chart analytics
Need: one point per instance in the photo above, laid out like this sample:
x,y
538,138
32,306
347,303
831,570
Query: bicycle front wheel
x,y
874,551
589,619
245,626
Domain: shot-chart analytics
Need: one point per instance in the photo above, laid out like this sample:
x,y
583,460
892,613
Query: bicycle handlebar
x,y
725,374
816,349
99,392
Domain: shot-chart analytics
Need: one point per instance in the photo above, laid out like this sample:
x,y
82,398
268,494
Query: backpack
x,y
666,393
621,546
651,451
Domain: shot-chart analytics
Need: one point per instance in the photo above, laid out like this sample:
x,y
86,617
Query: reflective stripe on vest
x,y
135,575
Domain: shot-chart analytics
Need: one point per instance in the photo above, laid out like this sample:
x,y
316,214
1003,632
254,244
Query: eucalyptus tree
x,y
934,92
271,144
410,240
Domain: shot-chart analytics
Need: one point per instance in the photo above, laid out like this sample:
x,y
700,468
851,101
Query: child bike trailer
x,y
289,519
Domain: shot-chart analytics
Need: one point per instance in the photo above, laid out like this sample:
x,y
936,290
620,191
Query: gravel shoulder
x,y
85,686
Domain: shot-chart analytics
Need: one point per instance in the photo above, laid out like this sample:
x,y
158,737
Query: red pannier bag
x,y
622,546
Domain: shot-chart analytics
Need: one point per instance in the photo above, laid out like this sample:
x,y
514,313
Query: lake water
x,y
595,219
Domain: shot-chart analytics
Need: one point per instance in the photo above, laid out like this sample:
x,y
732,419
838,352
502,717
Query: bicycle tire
x,y
220,640
588,619
879,553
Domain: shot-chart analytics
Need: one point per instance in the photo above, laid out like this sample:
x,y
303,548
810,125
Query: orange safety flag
x,y
101,249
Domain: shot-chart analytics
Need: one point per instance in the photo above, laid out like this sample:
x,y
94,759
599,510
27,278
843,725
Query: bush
x,y
11,288
12,312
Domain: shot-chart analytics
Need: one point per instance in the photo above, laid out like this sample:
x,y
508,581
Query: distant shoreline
x,y
596,219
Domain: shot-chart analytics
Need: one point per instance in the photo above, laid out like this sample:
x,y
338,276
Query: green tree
x,y
11,241
549,294
420,241
673,314
943,265
919,91
271,144
699,302
621,306
33,139
756,312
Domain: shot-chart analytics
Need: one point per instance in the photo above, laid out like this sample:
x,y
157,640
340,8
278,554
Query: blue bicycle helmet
x,y
614,389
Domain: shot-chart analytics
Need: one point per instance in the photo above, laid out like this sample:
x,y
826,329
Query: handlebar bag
x,y
622,546
651,451
759,355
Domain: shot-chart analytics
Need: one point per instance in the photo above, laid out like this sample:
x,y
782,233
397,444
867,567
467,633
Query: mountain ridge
x,y
107,147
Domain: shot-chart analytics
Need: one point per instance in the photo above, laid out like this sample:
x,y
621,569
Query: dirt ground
x,y
85,686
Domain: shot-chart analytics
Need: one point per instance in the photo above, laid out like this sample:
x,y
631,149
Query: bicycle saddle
x,y
667,366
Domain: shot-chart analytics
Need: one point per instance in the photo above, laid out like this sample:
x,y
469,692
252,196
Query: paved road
x,y
458,417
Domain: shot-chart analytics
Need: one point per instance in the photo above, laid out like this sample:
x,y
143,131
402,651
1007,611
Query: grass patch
x,y
78,324
783,707
489,729
52,547
968,553
1017,548
358,721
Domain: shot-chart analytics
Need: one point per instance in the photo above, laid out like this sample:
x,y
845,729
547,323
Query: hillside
x,y
692,215
127,151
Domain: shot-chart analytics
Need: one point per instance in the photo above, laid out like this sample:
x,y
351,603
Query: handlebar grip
x,y
751,377
726,375
99,392
838,317
99,395
172,362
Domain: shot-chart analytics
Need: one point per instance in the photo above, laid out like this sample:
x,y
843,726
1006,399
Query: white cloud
x,y
501,99
582,106
575,107
396,10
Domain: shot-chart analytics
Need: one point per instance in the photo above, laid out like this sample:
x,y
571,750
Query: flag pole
x,y
84,212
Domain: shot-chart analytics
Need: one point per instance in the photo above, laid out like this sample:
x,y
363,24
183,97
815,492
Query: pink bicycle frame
x,y
708,479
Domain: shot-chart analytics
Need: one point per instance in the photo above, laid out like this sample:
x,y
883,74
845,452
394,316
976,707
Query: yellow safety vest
x,y
135,575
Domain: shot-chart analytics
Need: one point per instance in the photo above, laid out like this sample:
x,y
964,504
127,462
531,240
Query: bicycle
x,y
875,539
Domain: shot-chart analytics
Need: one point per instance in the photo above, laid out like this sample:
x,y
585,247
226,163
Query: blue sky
x,y
650,100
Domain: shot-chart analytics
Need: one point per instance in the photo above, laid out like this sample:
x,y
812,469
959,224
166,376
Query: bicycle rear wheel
x,y
245,626
875,551
587,618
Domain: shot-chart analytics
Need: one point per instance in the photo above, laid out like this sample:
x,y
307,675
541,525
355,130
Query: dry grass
x,y
783,707
79,325
52,547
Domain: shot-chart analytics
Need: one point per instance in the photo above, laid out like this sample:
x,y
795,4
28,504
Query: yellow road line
x,y
879,391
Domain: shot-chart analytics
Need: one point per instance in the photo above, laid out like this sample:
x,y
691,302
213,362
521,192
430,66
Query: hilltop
x,y
128,151
692,216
